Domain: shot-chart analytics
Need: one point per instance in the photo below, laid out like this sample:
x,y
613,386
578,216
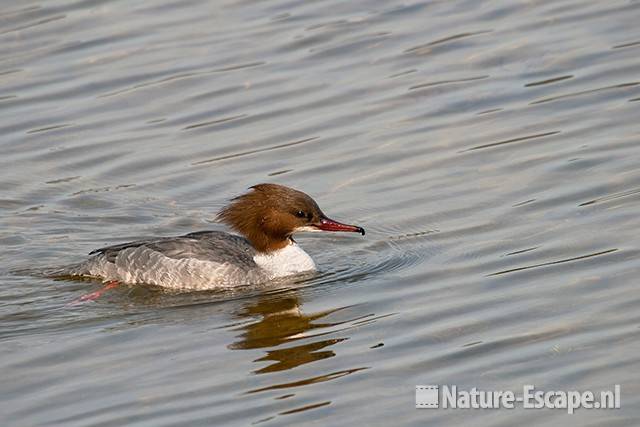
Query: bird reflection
x,y
281,321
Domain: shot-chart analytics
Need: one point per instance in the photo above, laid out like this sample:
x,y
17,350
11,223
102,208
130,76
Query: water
x,y
490,149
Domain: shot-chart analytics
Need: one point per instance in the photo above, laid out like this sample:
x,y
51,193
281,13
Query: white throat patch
x,y
286,261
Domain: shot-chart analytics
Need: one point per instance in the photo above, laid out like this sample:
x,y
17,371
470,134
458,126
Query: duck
x,y
260,249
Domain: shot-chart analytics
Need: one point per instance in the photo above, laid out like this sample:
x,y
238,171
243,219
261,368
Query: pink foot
x,y
95,295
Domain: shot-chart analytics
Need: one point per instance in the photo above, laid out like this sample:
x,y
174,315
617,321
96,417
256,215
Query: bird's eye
x,y
301,214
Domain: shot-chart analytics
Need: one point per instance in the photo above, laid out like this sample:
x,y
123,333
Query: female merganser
x,y
266,218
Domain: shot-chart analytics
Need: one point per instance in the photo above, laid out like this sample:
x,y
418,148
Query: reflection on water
x,y
275,324
281,321
309,381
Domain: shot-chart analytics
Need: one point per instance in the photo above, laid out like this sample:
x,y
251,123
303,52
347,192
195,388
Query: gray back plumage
x,y
214,246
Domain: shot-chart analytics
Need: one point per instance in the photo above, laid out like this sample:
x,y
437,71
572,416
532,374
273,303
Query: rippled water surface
x,y
490,149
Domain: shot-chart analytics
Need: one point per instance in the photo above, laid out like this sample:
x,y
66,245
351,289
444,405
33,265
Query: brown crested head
x,y
269,214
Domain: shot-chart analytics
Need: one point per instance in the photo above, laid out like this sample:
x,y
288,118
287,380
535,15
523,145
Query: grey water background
x,y
490,149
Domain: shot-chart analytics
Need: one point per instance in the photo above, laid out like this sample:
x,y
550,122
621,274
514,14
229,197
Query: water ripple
x,y
260,150
585,92
426,48
512,140
562,261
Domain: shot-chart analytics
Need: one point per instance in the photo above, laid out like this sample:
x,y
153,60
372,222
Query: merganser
x,y
266,217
